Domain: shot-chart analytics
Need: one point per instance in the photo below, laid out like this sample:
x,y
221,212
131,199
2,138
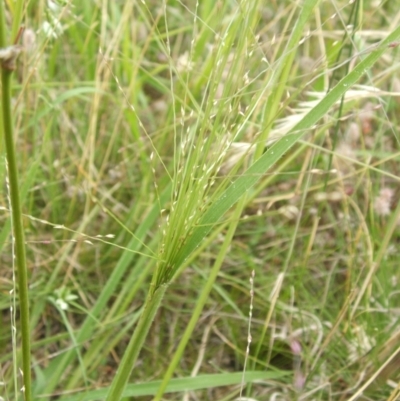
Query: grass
x,y
167,151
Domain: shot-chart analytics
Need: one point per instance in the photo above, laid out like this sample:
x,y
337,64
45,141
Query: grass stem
x,y
8,65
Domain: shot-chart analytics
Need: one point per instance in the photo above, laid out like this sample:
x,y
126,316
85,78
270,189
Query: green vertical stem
x,y
18,232
15,204
131,354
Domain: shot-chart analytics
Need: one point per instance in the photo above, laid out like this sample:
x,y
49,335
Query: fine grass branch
x,y
168,268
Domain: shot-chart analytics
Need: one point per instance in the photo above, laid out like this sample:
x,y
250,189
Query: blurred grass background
x,y
113,102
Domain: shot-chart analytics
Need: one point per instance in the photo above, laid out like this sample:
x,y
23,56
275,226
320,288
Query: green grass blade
x,y
182,384
135,344
282,73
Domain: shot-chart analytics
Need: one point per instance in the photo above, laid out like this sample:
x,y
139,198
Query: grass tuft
x,y
169,151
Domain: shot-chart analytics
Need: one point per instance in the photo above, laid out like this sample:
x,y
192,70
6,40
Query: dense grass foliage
x,y
210,199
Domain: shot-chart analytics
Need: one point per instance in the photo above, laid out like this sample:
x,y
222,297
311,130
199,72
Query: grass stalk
x,y
18,231
153,302
8,66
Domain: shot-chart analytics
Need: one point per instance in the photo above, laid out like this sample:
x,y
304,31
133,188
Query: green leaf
x,y
182,384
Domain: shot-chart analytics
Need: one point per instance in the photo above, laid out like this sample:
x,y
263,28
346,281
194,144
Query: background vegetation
x,y
138,125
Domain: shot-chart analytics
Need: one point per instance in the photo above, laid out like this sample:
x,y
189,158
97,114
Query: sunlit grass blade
x,y
282,72
181,384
